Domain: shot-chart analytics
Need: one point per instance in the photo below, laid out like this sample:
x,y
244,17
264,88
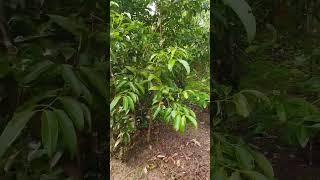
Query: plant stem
x,y
149,125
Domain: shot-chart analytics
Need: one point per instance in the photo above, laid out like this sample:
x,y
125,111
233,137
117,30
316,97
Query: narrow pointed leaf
x,y
156,112
244,157
176,122
244,12
130,102
264,164
87,116
171,64
192,120
68,132
241,104
182,124
185,65
96,80
36,71
13,129
114,102
50,132
74,110
70,78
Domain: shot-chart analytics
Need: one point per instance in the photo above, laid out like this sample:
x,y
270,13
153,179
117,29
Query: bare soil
x,y
169,155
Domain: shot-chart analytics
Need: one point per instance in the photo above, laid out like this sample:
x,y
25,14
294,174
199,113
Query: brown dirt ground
x,y
169,155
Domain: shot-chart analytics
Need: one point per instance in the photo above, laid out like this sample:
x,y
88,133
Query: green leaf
x,y
173,114
244,12
156,112
69,77
57,156
220,174
155,88
152,76
182,124
185,64
185,94
87,116
241,104
74,110
68,132
316,126
68,52
152,56
97,80
281,113
171,64
133,88
121,84
258,94
68,24
49,132
130,102
192,113
235,176
13,129
86,93
131,69
167,114
133,96
303,136
36,71
254,175
176,122
35,99
125,103
264,164
140,87
114,102
112,3
244,157
193,121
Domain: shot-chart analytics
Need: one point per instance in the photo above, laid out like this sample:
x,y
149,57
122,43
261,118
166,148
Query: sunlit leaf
x,y
185,64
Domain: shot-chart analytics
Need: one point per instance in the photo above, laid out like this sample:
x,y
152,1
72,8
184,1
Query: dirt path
x,y
169,156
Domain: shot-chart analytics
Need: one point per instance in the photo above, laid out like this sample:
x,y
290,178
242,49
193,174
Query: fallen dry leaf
x,y
145,170
178,163
196,142
161,156
174,155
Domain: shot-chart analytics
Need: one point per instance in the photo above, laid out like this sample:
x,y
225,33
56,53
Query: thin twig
x,y
30,38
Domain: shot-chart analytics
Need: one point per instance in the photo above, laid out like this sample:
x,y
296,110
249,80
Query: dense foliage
x,y
265,80
53,91
159,61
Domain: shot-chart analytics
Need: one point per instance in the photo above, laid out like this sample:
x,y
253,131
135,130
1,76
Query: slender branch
x,y
31,38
